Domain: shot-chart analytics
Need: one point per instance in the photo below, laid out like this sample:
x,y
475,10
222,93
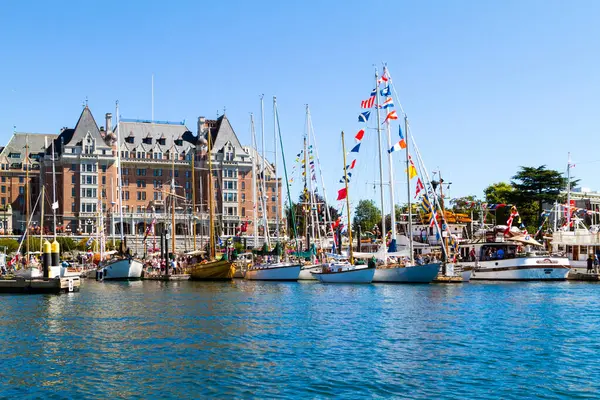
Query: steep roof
x,y
86,124
222,133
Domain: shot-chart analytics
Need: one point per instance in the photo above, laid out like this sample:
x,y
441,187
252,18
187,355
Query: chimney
x,y
108,122
201,123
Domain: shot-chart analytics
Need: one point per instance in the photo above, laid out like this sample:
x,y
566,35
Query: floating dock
x,y
176,277
39,285
581,274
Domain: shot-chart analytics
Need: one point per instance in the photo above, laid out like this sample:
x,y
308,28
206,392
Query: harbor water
x,y
244,339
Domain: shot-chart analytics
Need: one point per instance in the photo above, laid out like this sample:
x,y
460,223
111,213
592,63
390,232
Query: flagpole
x,y
254,182
276,171
392,201
383,231
569,192
410,230
347,205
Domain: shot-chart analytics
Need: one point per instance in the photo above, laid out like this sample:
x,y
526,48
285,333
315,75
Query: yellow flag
x,y
412,172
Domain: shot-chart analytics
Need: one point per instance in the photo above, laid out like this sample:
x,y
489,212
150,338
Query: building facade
x,y
159,161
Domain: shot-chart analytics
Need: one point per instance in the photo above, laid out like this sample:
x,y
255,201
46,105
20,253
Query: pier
x,y
40,285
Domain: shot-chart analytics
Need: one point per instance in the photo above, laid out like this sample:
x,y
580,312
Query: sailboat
x,y
345,271
396,272
124,266
214,269
278,270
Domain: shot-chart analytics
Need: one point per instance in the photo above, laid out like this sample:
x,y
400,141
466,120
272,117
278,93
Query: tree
x,y
398,214
498,193
464,204
537,185
366,215
302,209
11,245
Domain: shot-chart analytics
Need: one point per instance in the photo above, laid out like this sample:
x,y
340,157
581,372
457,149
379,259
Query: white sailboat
x,y
278,270
123,267
344,271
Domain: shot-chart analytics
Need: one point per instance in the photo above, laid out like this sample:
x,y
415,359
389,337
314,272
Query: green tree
x,y
366,215
536,185
498,193
398,214
11,245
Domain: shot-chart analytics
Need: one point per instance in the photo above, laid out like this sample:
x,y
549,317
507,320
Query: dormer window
x,y
147,140
162,141
129,139
178,142
89,145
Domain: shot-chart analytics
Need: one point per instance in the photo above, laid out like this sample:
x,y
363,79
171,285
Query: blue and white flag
x,y
386,91
374,92
389,102
89,242
355,149
364,117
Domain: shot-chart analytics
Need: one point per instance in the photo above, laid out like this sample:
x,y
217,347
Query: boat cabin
x,y
498,251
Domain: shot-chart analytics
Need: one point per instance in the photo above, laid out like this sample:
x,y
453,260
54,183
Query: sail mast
x,y
276,170
264,172
211,225
410,230
54,204
42,219
119,178
194,197
569,192
174,153
309,180
347,203
391,172
27,198
305,195
254,182
383,232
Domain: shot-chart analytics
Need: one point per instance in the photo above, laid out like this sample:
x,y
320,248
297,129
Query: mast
x,y
254,182
569,192
443,217
276,170
308,177
119,179
211,224
42,219
383,231
54,205
173,199
392,201
306,200
194,198
27,198
264,174
347,203
410,230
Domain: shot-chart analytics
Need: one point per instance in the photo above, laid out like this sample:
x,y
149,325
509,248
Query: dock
x,y
39,285
581,274
448,279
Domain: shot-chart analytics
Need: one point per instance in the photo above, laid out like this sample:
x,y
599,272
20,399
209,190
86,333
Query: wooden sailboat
x,y
345,271
214,269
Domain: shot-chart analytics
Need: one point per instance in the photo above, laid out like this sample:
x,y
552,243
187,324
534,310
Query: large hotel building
x,y
81,163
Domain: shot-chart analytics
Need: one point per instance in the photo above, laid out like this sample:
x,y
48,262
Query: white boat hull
x,y
522,269
273,272
29,273
123,269
411,274
353,275
306,272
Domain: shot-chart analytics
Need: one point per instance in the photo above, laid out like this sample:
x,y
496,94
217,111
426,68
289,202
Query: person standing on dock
x,y
590,263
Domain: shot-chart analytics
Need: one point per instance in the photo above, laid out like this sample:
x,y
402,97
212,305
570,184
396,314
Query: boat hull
x,y
412,274
522,269
122,269
306,272
213,271
274,273
356,275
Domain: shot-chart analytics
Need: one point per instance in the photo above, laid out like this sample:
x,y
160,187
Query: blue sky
x,y
488,86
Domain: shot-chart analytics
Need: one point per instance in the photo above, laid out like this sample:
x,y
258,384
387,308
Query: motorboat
x,y
344,272
280,271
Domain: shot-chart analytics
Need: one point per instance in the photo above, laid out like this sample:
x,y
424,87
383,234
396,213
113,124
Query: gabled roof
x,y
86,124
223,133
170,132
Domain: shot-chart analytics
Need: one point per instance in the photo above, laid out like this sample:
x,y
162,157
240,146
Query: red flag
x,y
368,103
360,135
419,187
352,164
342,194
391,115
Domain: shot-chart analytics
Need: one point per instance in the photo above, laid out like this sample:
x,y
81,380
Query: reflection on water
x,y
265,339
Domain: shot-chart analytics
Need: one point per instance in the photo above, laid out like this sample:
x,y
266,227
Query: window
x,y
104,168
73,192
243,211
4,201
176,173
73,207
14,155
125,171
229,156
129,139
231,185
157,155
188,185
231,197
243,185
178,142
125,195
21,179
104,180
103,193
140,183
274,209
21,189
73,179
243,196
141,172
188,174
162,141
157,172
147,140
141,195
3,179
3,189
157,195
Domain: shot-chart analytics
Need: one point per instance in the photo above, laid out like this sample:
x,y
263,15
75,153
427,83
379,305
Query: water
x,y
303,340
